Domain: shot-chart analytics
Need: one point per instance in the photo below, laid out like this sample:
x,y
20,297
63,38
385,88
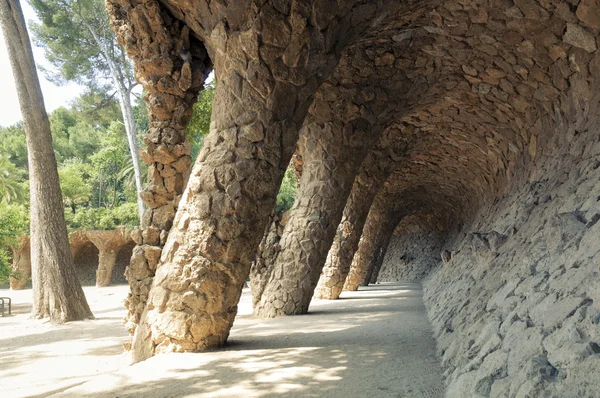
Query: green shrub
x,y
14,223
5,266
103,218
287,191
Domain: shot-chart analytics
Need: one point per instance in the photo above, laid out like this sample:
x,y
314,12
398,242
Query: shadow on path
x,y
378,346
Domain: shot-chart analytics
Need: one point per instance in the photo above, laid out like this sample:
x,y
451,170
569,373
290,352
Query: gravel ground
x,y
375,342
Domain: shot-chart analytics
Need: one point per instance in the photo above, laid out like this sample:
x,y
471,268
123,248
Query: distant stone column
x,y
21,264
267,252
374,266
333,143
349,231
108,243
380,222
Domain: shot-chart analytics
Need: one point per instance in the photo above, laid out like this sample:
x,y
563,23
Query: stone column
x,y
372,270
269,247
349,231
267,252
171,64
267,73
21,264
380,222
108,243
332,154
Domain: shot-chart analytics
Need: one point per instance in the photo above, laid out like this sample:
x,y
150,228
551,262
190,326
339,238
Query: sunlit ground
x,y
372,343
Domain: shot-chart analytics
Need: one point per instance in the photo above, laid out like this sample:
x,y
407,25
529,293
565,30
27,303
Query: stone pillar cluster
x,y
395,110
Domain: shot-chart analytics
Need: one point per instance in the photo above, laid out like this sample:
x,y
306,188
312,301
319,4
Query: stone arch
x,y
85,259
121,263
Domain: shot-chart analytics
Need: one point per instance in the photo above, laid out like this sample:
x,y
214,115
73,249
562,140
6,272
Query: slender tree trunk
x,y
127,113
57,292
131,130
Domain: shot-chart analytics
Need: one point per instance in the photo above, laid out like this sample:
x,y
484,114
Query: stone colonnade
x,y
108,243
397,108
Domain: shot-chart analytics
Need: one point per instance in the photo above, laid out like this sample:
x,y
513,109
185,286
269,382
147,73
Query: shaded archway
x,y
121,263
85,259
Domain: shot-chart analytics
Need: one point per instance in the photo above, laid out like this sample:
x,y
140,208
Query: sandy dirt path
x,y
375,342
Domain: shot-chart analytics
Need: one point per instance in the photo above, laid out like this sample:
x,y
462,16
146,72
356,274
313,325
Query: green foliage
x,y
114,178
13,145
97,108
199,125
94,166
5,267
78,40
103,218
287,191
140,115
11,181
14,223
72,137
74,184
89,139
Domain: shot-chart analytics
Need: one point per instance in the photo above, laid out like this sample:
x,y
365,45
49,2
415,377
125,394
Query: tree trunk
x,y
57,292
350,229
131,130
127,113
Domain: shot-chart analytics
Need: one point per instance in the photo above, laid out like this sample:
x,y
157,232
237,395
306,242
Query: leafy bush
x,y
14,223
103,218
287,191
5,267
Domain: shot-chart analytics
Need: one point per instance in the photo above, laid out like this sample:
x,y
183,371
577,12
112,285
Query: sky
x,y
54,96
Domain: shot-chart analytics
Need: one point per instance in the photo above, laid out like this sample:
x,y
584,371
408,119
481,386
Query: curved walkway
x,y
375,342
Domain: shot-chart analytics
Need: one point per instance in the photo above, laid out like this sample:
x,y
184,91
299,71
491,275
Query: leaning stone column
x,y
332,153
379,222
171,64
269,248
267,72
267,252
383,242
339,259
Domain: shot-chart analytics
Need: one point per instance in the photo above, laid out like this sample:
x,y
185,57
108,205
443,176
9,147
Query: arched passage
x,y
85,258
503,108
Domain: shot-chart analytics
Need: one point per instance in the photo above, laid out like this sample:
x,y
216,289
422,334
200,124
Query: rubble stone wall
x,y
412,254
516,310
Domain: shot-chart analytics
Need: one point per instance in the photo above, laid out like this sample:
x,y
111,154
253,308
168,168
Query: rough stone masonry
x,y
470,127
